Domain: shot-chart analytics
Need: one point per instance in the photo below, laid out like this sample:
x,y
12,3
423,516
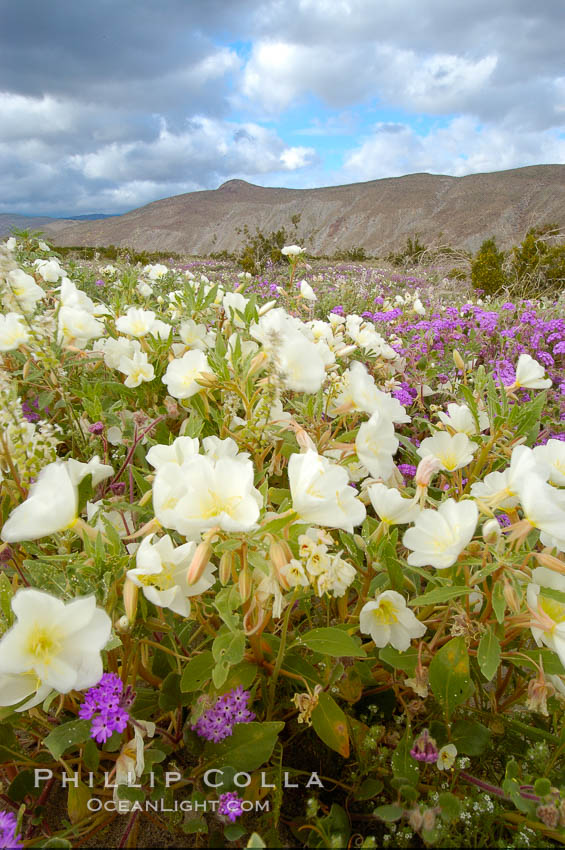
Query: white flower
x,y
182,373
215,449
530,374
136,368
22,292
77,326
13,332
58,643
202,494
376,444
500,489
156,271
292,251
454,452
418,307
321,493
130,763
11,243
544,508
52,502
438,537
50,270
161,572
233,304
389,621
460,418
115,349
548,614
360,393
301,365
307,292
552,457
194,335
446,757
294,574
136,322
144,289
178,452
391,507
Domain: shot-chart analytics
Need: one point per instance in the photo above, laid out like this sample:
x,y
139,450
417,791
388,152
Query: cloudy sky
x,y
106,105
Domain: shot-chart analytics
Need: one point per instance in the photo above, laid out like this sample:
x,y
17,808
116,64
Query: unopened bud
x,y
304,441
551,562
427,468
257,363
256,618
25,370
279,560
511,597
244,584
171,406
131,592
199,562
458,360
491,531
225,568
345,350
266,307
123,624
206,379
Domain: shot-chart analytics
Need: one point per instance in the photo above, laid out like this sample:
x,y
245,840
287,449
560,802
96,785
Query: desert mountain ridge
x,y
378,215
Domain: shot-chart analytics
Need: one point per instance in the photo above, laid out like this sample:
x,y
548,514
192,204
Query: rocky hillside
x,y
378,216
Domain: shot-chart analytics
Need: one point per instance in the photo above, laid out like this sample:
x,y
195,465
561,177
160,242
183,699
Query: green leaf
x,y
197,672
276,525
388,813
498,601
220,673
470,737
294,663
332,641
58,842
450,806
66,736
255,841
400,660
330,724
22,785
405,769
450,678
250,746
6,594
369,788
229,647
488,654
440,594
170,696
550,661
233,831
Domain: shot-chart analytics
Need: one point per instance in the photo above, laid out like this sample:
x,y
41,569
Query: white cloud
x,y
462,147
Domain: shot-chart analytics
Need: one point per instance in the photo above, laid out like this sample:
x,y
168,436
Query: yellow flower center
x,y
553,608
386,613
162,581
43,643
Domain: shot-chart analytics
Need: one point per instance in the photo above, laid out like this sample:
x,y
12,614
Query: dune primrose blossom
x,y
530,374
437,538
52,502
13,332
454,452
52,645
182,373
389,621
548,614
321,493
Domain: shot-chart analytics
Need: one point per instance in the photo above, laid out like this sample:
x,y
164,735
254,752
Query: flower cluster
x,y
8,826
107,704
218,721
324,571
230,805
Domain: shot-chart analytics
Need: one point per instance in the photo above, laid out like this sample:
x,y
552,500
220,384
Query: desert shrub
x,y
411,253
536,264
487,272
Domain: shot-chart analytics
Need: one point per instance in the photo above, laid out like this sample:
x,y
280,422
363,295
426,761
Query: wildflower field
x,y
282,557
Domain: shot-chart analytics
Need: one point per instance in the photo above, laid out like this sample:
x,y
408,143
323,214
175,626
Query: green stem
x,y
280,656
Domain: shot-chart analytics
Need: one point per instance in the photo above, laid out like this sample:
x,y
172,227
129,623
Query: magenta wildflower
x,y
230,805
107,704
425,748
218,721
96,428
8,836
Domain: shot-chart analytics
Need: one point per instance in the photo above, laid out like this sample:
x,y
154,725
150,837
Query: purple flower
x,y
425,748
107,704
100,282
96,428
217,722
230,805
8,825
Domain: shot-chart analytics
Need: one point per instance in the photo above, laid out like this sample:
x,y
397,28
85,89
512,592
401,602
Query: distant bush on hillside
x,y
487,272
411,253
261,248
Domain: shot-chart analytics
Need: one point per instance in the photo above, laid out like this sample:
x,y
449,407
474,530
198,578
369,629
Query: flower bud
x,y
131,592
257,363
123,624
427,468
244,584
511,597
206,379
491,531
266,307
304,441
458,360
225,568
551,562
279,559
199,562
